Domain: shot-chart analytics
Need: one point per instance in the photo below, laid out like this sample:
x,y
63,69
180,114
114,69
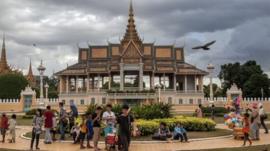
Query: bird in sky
x,y
205,46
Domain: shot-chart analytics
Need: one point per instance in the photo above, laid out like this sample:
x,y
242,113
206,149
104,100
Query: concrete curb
x,y
147,142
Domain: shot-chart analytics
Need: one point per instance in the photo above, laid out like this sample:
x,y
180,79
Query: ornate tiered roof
x,y
30,76
131,50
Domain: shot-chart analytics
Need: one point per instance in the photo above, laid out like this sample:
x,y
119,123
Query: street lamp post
x,y
210,69
41,70
46,90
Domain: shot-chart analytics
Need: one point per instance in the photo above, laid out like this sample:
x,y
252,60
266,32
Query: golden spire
x,y
30,72
30,76
3,61
131,32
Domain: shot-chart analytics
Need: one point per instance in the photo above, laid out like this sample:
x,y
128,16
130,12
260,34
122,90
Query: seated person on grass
x,y
163,132
180,133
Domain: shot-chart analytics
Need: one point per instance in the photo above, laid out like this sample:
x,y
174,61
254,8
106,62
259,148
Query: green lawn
x,y
249,148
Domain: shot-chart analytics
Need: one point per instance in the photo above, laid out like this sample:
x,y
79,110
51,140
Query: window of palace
x,y
180,101
199,101
82,101
71,101
170,100
93,101
190,101
103,100
64,102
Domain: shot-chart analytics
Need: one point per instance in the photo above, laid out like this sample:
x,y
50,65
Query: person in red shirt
x,y
48,115
246,129
4,126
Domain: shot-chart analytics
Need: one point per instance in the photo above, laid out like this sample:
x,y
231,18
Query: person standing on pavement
x,y
125,121
48,117
97,127
62,121
4,126
255,122
37,129
263,117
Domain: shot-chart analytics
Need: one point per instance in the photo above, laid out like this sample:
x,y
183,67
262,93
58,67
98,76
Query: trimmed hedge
x,y
218,111
33,112
149,111
149,127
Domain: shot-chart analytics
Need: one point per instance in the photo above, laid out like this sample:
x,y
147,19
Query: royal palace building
x,y
131,71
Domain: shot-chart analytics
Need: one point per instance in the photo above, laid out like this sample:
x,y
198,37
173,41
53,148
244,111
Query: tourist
x,y
54,128
4,126
213,112
180,133
75,133
109,119
163,132
62,121
255,122
263,117
90,130
37,128
48,117
125,121
246,129
97,127
199,112
73,114
12,128
83,131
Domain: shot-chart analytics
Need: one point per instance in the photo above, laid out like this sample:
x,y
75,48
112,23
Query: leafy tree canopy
x,y
248,76
11,85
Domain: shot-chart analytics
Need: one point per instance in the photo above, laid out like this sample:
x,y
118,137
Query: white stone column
x,y
61,84
121,76
67,84
164,87
87,83
174,82
141,77
153,80
185,86
195,83
109,82
98,84
77,84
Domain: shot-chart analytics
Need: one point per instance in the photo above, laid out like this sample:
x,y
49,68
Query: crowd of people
x,y
118,128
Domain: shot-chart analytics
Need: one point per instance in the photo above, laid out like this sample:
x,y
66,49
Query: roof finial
x,y
130,8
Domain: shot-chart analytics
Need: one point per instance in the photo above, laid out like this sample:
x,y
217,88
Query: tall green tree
x,y
248,76
11,85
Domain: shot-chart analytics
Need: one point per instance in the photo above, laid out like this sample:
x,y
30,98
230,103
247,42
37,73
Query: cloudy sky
x,y
58,27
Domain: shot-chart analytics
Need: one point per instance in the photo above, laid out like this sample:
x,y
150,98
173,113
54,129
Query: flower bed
x,y
149,127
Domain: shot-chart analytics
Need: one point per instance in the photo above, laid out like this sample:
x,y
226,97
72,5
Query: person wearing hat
x,y
255,122
125,121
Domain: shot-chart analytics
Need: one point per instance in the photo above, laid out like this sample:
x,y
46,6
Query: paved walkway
x,y
24,144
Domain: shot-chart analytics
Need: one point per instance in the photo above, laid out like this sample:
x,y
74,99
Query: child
x,y
4,126
37,125
163,132
12,126
54,128
83,131
180,133
246,128
75,132
90,130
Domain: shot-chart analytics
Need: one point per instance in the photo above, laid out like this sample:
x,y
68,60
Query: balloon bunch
x,y
233,120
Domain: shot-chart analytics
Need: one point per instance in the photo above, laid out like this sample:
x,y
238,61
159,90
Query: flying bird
x,y
206,46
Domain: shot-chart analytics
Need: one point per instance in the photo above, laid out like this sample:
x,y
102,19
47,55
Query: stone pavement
x,y
23,144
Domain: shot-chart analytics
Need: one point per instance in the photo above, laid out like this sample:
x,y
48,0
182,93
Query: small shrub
x,y
149,127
